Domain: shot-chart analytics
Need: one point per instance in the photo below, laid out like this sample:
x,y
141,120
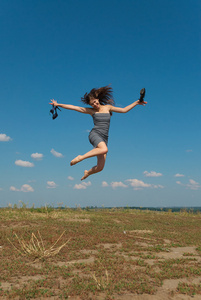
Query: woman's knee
x,y
105,151
99,168
103,147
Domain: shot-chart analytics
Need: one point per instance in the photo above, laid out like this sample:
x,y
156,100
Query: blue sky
x,y
62,49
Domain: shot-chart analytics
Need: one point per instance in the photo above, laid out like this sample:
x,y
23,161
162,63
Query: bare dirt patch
x,y
178,252
18,282
140,231
90,252
110,245
78,261
78,220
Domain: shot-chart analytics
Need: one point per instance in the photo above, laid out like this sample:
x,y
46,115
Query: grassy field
x,y
99,254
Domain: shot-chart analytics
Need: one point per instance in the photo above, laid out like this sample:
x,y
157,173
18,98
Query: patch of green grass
x,y
189,289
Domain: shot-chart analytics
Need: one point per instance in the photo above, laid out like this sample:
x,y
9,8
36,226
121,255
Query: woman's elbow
x,y
124,110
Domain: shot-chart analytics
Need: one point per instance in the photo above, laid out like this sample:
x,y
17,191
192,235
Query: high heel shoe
x,y
142,95
53,111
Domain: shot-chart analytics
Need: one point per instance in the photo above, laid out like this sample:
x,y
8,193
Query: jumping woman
x,y
102,106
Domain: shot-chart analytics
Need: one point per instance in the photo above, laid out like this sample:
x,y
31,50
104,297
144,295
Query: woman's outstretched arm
x,y
85,110
126,108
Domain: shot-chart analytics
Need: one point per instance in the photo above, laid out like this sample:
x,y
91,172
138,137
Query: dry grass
x,y
102,281
35,247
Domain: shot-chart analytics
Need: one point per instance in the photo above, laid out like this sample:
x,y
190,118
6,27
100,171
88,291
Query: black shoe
x,y
53,111
55,115
142,94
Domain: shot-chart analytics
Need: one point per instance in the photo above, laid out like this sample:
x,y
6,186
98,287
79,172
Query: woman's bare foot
x,y
76,160
86,174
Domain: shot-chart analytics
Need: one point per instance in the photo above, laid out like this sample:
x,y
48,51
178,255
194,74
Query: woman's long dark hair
x,y
103,94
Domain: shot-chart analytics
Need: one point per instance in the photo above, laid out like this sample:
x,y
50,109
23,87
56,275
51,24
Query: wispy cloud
x,y
139,184
82,186
152,174
56,154
189,150
192,185
23,163
51,185
70,178
136,184
24,188
179,175
116,184
4,138
37,156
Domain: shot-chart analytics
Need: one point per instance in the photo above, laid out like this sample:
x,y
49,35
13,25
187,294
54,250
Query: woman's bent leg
x,y
99,150
98,168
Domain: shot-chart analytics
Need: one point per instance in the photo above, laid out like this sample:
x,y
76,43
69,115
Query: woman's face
x,y
94,103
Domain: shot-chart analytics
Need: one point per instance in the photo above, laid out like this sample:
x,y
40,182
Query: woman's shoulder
x,y
89,110
109,107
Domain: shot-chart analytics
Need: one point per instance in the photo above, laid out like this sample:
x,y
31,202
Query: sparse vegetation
x,y
111,252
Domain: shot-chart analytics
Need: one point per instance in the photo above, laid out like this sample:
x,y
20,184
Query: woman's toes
x,y
85,175
75,160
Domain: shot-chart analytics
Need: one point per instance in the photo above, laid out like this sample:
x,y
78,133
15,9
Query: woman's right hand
x,y
54,102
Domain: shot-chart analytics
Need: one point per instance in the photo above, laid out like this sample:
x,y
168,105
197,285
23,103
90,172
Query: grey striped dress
x,y
101,128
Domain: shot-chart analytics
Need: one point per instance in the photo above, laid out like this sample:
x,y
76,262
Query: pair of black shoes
x,y
142,95
53,111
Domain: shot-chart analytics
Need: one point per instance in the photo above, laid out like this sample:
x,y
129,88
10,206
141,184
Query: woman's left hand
x,y
54,102
141,102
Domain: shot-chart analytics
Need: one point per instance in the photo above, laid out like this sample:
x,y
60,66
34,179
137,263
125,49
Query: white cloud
x,y
157,186
23,163
179,175
14,189
1,189
4,138
70,178
139,184
192,185
37,156
116,184
24,188
152,174
134,183
55,153
82,186
51,185
87,183
189,150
